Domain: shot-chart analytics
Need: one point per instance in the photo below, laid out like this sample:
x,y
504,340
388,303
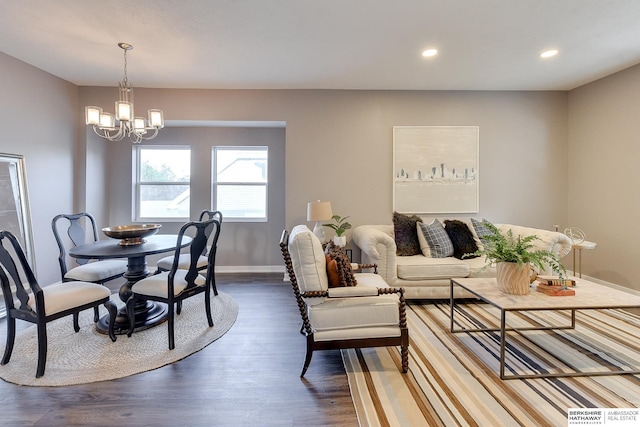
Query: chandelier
x,y
123,123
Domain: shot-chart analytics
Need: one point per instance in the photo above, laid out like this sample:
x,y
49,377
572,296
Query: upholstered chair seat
x,y
356,317
184,260
156,285
97,271
63,296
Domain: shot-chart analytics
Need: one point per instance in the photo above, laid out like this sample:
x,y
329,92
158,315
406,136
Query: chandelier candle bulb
x,y
107,121
138,125
93,115
124,110
155,119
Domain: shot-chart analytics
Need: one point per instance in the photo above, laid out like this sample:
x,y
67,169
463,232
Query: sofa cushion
x,y
461,238
478,267
419,267
437,239
308,262
406,236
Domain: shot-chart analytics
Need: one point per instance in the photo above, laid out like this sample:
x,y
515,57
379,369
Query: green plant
x,y
505,247
340,226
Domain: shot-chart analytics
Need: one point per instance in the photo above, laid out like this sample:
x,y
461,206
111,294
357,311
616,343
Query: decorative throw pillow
x,y
437,239
332,273
339,269
406,236
424,245
461,238
481,229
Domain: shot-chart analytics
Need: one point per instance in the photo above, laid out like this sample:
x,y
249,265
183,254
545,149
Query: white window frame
x,y
137,183
215,184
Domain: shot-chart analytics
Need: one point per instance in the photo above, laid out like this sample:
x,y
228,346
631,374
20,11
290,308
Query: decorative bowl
x,y
131,234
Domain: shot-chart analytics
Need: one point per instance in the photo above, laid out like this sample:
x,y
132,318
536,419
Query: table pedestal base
x,y
147,314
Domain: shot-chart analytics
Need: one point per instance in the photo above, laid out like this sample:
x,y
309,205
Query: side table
x,y
578,247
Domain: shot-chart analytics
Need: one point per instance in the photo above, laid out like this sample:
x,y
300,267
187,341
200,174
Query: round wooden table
x,y
147,313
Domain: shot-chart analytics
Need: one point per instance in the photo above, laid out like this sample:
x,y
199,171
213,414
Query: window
x,y
163,176
240,182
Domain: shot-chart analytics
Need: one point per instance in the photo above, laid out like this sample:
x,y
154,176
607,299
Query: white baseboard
x,y
250,269
611,285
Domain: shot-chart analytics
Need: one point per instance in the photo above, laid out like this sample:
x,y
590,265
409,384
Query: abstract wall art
x,y
435,169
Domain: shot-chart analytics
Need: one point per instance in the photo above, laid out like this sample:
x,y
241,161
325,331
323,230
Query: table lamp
x,y
318,212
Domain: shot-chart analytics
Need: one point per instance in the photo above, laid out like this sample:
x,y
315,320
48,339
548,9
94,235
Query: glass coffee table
x,y
589,296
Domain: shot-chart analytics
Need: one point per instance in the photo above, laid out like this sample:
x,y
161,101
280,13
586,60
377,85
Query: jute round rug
x,y
88,356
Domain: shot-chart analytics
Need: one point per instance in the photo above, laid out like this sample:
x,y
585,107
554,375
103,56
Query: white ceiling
x,y
325,44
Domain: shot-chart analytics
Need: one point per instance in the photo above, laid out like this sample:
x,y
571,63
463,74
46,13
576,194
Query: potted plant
x,y
514,258
340,225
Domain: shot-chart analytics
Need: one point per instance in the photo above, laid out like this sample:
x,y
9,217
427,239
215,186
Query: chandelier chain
x,y
126,78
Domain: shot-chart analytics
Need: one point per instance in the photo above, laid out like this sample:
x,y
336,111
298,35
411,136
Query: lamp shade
x,y
124,110
319,211
156,119
92,115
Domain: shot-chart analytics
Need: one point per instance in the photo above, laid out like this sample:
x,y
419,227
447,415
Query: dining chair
x,y
184,260
95,271
176,285
41,305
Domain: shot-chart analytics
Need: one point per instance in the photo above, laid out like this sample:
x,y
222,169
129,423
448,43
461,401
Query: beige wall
x,y
604,152
38,120
545,157
339,146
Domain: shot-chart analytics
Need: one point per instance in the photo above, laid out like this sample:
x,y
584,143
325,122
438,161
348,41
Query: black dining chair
x,y
184,260
95,271
176,285
41,305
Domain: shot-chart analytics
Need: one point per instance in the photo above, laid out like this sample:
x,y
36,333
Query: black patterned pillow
x,y
481,229
461,238
406,235
437,239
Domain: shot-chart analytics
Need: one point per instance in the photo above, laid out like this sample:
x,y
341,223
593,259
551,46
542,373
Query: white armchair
x,y
370,314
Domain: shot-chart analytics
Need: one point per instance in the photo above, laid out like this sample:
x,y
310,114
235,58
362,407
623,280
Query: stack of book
x,y
555,286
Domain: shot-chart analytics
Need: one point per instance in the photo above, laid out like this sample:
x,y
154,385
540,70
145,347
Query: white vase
x,y
340,240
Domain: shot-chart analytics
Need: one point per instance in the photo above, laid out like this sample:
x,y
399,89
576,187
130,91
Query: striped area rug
x,y
453,379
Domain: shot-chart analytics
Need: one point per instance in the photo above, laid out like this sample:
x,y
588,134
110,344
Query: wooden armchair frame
x,y
307,330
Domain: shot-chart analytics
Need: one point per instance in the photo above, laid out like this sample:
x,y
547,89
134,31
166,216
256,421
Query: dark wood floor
x,y
249,377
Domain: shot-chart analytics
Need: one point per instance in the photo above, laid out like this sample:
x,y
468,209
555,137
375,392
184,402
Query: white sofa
x,y
429,278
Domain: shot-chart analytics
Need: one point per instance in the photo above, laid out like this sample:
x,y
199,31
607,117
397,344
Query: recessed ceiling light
x,y
549,53
430,52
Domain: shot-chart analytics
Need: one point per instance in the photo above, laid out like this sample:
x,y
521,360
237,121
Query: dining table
x,y
147,313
